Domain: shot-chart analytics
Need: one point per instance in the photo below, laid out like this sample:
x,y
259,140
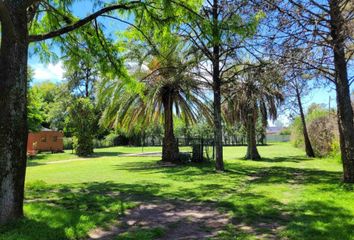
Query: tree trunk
x,y
263,111
219,163
252,152
87,83
308,145
13,117
344,108
170,150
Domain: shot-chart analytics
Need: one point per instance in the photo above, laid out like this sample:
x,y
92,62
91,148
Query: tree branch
x,y
82,22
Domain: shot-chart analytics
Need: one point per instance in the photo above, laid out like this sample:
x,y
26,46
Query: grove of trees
x,y
225,65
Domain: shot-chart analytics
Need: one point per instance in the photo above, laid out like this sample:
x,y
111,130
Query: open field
x,y
283,196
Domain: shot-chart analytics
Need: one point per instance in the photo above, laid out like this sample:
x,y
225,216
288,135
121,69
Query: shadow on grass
x,y
58,212
291,175
264,175
270,219
31,163
295,159
69,211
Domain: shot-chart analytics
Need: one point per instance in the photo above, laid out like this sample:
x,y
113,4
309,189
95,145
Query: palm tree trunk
x,y
345,110
308,145
252,151
170,149
264,122
13,117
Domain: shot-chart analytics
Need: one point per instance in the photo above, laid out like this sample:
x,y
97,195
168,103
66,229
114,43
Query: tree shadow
x,y
277,174
58,212
69,211
320,220
295,159
155,167
34,163
265,218
32,229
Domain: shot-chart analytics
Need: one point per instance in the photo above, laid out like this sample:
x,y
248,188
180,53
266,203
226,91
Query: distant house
x,y
45,140
274,130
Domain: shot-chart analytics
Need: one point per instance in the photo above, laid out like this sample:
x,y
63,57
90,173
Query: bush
x,y
108,141
82,121
322,129
297,137
285,132
68,143
83,146
323,134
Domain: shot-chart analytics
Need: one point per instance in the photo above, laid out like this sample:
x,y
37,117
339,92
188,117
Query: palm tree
x,y
168,88
255,93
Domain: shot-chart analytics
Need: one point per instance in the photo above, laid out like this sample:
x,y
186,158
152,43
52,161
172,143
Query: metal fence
x,y
277,138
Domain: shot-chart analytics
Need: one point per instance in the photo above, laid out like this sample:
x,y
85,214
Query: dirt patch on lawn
x,y
179,220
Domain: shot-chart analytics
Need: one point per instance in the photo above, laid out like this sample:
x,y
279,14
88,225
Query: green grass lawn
x,y
299,197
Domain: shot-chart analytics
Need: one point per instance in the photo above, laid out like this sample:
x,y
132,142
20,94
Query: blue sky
x,y
55,71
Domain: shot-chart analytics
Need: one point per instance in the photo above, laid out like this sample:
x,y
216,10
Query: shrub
x,y
285,132
82,120
83,146
68,143
322,129
297,137
109,140
323,133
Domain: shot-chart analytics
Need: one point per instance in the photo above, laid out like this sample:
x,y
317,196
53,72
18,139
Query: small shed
x,y
45,140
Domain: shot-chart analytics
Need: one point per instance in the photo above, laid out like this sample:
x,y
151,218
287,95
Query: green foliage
x,y
92,44
201,129
35,110
81,77
82,120
285,131
43,101
108,141
142,234
297,137
253,97
68,142
48,90
160,74
35,105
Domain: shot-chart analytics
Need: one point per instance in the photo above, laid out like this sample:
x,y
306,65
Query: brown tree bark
x,y
170,151
308,145
13,117
263,111
219,163
344,108
15,17
252,151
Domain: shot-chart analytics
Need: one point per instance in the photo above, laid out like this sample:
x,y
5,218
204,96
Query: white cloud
x,y
52,72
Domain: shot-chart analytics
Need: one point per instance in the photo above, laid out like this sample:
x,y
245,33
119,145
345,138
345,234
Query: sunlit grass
x,y
299,197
